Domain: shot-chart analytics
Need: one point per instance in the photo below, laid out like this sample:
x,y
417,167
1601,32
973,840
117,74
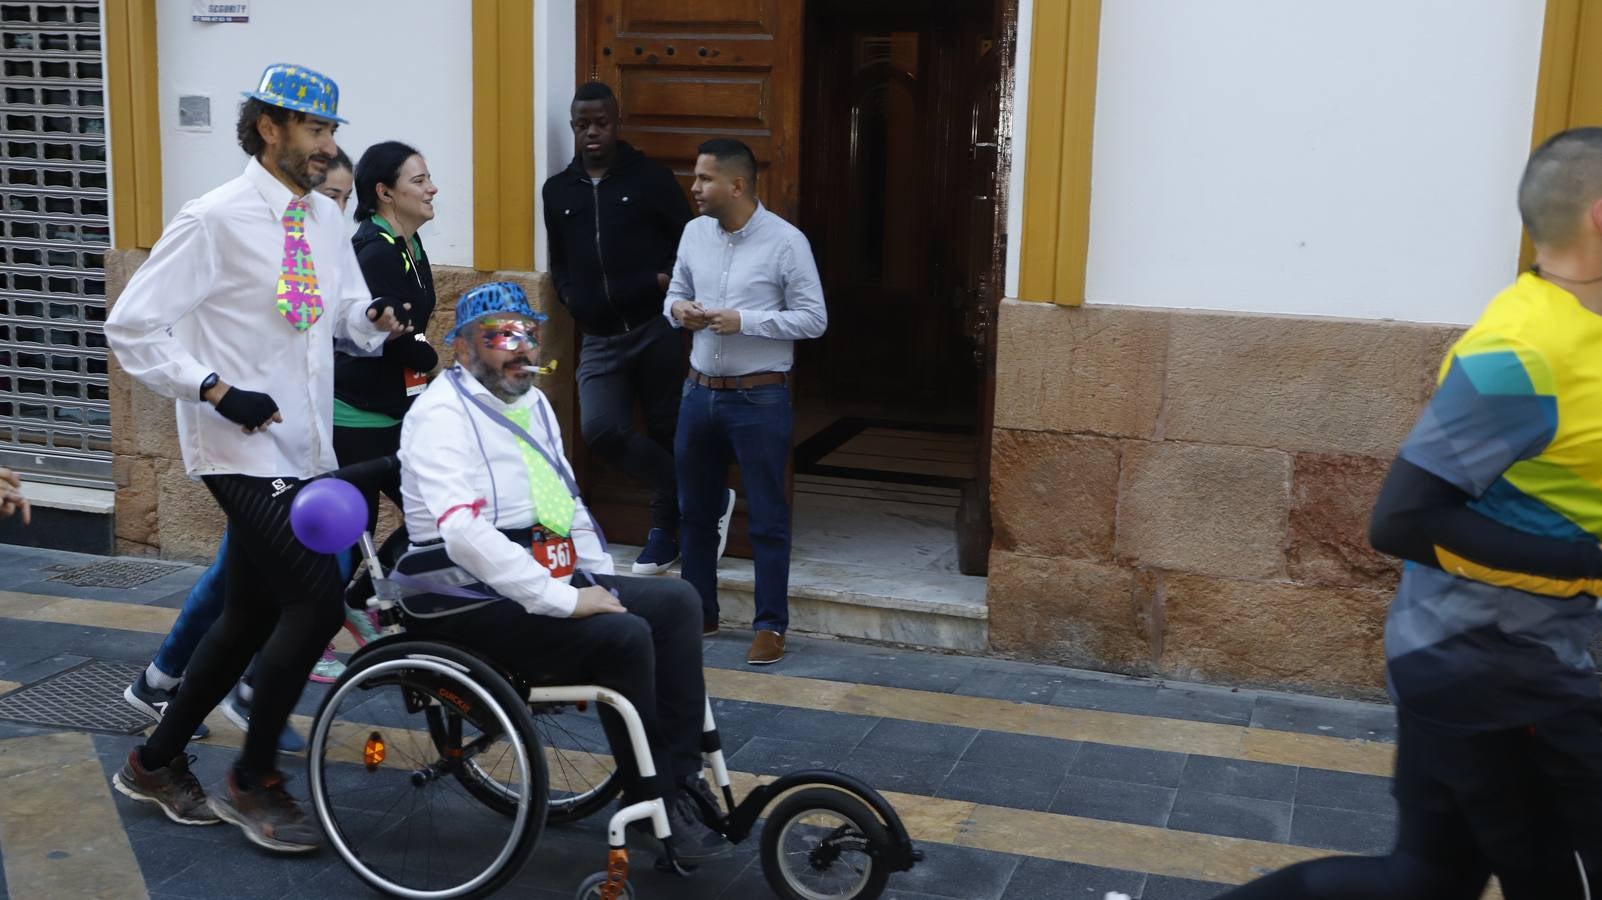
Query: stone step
x,y
893,605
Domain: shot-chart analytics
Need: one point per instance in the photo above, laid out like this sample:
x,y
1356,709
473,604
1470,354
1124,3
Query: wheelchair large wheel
x,y
384,752
821,844
578,763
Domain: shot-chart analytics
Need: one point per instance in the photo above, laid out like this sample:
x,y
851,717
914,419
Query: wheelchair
x,y
434,773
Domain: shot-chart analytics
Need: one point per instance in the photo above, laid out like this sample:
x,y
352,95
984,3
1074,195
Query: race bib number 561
x,y
554,553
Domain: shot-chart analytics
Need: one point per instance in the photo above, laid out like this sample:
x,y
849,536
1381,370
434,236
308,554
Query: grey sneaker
x,y
153,702
172,787
268,815
692,840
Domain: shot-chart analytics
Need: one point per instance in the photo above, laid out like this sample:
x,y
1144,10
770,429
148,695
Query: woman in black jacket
x,y
394,196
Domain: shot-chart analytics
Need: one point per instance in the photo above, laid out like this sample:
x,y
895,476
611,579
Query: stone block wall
x,y
161,512
1187,494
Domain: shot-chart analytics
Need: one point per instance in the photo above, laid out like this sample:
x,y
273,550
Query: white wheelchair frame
x,y
892,848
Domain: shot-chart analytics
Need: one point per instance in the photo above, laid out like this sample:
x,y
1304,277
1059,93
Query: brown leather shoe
x,y
709,628
766,648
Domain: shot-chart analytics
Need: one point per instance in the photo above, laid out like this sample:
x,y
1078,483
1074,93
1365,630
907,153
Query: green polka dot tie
x,y
553,505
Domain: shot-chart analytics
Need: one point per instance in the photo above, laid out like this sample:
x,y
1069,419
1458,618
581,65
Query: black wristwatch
x,y
206,384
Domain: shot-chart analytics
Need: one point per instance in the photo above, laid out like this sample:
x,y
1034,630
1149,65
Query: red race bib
x,y
554,553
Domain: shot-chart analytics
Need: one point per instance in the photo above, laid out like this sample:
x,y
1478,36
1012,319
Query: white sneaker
x,y
1114,895
723,524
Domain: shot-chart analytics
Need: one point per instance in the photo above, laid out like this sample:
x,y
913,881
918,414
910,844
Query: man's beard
x,y
506,387
298,168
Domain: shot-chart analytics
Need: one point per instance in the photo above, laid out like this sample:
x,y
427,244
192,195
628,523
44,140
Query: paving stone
x,y
1342,829
1118,801
1221,814
1162,887
772,756
30,666
920,738
739,721
1320,715
1343,790
1000,786
1023,687
1133,764
1037,878
895,770
1001,748
960,872
167,853
1239,778
842,730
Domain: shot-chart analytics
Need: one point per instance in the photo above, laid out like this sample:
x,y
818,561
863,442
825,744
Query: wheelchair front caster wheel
x,y
823,844
591,889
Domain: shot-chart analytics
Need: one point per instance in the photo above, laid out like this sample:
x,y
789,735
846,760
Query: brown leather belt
x,y
738,382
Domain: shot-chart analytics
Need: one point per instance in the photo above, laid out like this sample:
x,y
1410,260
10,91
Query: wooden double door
x,y
877,129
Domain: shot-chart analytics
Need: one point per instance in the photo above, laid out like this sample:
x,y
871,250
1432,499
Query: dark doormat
x,y
86,697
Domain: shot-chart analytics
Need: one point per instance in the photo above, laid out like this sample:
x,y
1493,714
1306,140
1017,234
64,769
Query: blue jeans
x,y
201,608
750,428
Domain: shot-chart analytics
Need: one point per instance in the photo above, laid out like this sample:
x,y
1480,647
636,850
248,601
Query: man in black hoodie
x,y
613,220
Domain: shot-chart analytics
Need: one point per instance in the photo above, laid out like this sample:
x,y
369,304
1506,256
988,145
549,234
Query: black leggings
x,y
283,600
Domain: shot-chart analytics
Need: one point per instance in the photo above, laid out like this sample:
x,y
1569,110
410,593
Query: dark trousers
x,y
1519,803
750,428
643,366
281,599
651,655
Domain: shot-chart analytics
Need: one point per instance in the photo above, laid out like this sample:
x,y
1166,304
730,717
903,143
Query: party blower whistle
x,y
546,369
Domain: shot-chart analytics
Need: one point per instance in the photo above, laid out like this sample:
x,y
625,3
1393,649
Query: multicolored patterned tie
x,y
553,505
298,298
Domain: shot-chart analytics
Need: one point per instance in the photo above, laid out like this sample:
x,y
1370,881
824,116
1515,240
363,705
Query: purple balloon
x,y
328,515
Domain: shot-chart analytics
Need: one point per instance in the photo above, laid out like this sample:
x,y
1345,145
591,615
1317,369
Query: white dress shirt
x,y
766,271
206,301
453,456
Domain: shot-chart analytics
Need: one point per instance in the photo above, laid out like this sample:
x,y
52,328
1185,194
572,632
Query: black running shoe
x,y
268,815
153,702
172,787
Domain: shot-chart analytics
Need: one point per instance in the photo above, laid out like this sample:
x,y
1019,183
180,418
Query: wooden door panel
x,y
688,72
718,16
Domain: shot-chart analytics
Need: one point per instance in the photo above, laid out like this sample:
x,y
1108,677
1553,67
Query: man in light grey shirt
x,y
746,284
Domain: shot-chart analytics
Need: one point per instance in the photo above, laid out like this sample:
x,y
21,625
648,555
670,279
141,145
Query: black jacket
x,y
377,383
608,241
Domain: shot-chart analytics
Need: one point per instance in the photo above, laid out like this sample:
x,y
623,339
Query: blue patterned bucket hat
x,y
487,299
300,89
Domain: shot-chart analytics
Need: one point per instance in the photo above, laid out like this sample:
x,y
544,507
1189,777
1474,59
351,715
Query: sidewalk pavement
x,y
1017,780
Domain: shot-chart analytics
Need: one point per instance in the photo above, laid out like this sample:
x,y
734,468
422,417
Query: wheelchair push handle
x,y
367,475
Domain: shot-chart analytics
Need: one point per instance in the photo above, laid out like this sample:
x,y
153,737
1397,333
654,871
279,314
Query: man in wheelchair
x,y
506,561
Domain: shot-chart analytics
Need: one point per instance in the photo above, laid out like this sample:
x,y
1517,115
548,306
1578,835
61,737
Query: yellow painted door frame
x,y
503,135
1568,90
135,138
1060,132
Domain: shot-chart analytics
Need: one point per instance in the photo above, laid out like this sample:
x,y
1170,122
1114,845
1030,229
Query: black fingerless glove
x,y
379,304
248,408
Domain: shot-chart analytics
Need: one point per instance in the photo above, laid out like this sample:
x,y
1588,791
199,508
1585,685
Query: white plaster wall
x,y
404,72
1333,157
1020,143
555,48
